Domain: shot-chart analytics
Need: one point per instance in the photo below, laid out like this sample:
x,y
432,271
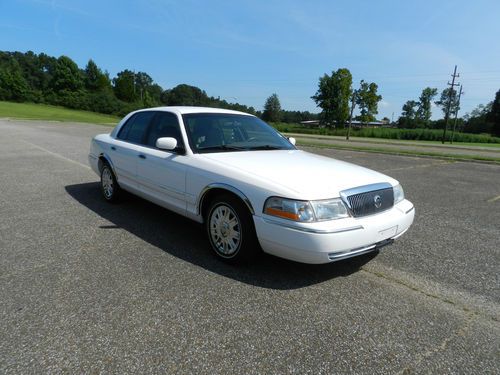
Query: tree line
x,y
40,78
417,114
337,99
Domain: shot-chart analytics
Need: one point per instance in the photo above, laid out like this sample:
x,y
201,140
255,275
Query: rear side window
x,y
134,130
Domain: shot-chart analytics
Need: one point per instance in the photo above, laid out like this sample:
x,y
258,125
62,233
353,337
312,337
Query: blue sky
x,y
246,50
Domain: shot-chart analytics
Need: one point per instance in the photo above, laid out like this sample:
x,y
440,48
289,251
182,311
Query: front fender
x,y
222,186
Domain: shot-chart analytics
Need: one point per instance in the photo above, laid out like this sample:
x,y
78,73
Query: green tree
x,y
477,120
47,65
409,109
445,98
105,101
333,95
66,76
494,115
94,78
408,115
424,112
185,95
272,109
35,75
124,86
13,86
155,91
367,100
297,116
142,83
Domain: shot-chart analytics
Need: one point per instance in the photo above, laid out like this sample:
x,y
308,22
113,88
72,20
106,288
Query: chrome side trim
x,y
311,230
227,187
159,187
362,189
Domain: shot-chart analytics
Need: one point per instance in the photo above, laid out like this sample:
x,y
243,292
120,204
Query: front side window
x,y
217,132
165,124
135,128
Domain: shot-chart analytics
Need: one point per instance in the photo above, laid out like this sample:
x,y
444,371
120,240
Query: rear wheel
x,y
109,187
230,229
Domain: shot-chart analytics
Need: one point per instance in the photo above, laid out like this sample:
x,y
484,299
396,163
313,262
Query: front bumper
x,y
334,240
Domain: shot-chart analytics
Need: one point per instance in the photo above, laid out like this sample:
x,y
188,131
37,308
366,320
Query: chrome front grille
x,y
369,199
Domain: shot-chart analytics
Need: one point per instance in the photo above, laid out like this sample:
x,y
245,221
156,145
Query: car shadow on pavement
x,y
186,240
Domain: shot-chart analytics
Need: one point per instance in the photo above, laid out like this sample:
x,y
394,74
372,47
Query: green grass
x,y
53,113
472,144
381,150
391,133
385,141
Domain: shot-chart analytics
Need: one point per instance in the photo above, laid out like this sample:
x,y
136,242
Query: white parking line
x,y
419,166
494,199
56,155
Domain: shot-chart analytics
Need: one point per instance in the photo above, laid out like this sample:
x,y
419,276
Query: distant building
x,y
355,124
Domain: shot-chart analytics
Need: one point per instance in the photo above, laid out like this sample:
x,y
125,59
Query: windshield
x,y
220,132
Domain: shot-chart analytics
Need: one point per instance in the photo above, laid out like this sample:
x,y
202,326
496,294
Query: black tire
x,y
109,186
230,230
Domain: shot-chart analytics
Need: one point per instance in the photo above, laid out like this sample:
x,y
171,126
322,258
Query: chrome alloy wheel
x,y
225,230
107,183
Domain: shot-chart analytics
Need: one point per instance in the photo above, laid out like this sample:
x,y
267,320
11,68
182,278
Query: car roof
x,y
182,110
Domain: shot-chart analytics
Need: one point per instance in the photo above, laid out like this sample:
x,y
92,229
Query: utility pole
x,y
456,113
447,116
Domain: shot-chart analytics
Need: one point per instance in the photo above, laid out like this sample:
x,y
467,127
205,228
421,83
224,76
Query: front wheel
x,y
230,230
109,187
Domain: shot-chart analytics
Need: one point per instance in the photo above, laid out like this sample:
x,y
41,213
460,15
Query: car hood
x,y
309,176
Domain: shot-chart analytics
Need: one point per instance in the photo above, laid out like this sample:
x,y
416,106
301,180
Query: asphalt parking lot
x,y
87,287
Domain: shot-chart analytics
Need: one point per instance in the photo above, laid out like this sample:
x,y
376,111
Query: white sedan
x,y
249,185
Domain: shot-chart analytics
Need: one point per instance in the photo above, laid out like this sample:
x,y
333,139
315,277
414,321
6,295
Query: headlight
x,y
330,209
305,211
289,209
399,194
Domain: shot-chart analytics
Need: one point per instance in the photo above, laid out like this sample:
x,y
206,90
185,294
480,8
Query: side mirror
x,y
292,140
166,143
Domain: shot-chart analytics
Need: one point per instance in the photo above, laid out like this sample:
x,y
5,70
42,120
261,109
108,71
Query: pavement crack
x,y
441,346
447,298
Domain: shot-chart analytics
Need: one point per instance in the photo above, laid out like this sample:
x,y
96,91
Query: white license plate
x,y
389,232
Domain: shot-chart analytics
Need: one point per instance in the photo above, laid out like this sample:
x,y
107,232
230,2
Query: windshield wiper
x,y
265,147
221,148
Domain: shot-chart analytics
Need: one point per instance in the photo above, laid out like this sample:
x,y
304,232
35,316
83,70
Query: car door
x,y
125,149
162,174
